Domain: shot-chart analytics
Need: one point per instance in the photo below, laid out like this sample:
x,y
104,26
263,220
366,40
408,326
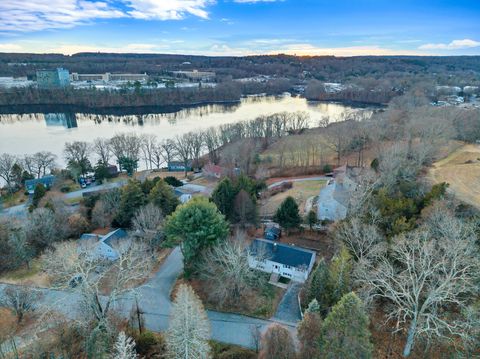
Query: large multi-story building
x,y
53,78
195,75
107,77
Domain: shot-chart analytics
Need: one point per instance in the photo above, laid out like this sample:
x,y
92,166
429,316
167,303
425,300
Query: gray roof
x,y
282,253
47,180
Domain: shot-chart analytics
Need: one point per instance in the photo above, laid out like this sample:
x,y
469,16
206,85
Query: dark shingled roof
x,y
282,253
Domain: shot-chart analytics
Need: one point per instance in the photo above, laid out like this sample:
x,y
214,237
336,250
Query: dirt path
x,y
461,170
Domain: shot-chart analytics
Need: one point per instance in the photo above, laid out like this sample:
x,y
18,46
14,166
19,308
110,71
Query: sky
x,y
242,27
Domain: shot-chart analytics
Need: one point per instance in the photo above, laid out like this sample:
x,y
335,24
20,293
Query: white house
x,y
285,260
103,247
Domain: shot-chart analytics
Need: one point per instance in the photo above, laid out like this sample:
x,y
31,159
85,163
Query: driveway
x,y
288,310
317,178
154,299
105,186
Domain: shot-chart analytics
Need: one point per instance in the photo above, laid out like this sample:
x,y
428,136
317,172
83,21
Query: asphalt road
x,y
154,299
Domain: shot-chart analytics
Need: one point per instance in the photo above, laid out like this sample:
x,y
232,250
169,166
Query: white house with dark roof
x,y
285,260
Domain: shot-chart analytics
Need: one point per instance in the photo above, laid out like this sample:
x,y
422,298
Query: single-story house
x,y
47,181
329,207
103,247
285,260
178,166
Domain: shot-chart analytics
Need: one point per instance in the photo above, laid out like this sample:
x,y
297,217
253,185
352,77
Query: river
x,y
29,133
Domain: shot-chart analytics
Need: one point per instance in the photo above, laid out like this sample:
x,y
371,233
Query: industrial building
x,y
57,78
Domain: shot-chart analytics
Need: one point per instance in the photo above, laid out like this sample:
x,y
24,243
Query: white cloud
x,y
254,1
311,50
168,9
454,45
70,49
35,15
10,47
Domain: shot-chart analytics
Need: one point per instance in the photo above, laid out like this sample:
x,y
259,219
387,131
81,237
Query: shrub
x,y
173,181
327,168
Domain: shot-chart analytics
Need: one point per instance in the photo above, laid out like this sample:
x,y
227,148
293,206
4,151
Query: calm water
x,y
28,133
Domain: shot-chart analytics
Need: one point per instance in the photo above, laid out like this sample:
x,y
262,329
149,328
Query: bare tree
x,y
38,163
212,141
184,149
148,223
6,169
101,147
20,300
148,146
124,347
76,151
42,228
277,344
427,278
189,330
226,267
81,269
362,240
168,149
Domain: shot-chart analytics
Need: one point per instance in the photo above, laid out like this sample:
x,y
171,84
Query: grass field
x,y
461,170
301,191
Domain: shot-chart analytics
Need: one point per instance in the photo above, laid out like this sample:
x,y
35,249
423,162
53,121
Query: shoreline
x,y
148,109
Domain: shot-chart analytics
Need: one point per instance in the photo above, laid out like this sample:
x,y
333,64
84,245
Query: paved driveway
x,y
288,310
154,299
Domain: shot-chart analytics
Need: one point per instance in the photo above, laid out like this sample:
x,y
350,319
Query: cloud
x,y
454,45
254,1
167,9
35,15
311,50
10,48
69,49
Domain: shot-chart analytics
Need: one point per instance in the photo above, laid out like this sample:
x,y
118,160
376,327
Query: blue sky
x,y
242,27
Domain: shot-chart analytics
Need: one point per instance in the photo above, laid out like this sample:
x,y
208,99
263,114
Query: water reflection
x,y
67,120
29,133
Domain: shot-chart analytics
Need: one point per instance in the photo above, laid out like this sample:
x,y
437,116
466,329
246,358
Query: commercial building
x,y
57,78
195,75
107,77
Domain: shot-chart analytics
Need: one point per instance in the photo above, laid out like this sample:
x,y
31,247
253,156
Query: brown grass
x,y
461,170
300,191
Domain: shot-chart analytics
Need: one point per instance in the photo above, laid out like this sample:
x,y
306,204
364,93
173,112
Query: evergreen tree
x,y
223,196
287,214
311,219
244,208
340,271
313,306
319,288
124,348
162,196
196,225
345,333
132,198
189,330
38,193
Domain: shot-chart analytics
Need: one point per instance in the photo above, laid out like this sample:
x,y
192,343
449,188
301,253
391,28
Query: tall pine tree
x,y
345,333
